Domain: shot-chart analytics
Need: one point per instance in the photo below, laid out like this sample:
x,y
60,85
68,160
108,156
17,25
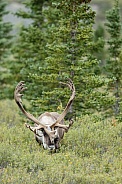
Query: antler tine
x,y
69,84
72,87
19,88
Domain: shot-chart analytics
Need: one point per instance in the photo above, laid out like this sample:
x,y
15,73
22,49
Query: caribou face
x,y
49,128
47,142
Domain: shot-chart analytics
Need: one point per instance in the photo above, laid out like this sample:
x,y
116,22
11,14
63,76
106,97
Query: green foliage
x,y
5,28
90,152
114,66
29,50
5,47
99,37
114,29
60,44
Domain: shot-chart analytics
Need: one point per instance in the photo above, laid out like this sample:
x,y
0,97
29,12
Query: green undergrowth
x,y
90,153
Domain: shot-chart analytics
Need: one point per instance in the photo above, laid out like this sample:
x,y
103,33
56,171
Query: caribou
x,y
49,127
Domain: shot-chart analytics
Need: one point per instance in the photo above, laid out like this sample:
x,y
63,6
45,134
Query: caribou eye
x,y
42,129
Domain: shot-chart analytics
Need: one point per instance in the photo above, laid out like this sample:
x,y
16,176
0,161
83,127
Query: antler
x,y
17,96
61,117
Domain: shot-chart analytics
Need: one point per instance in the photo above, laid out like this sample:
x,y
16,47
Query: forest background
x,y
53,41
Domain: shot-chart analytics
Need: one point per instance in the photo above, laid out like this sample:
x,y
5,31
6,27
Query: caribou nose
x,y
51,147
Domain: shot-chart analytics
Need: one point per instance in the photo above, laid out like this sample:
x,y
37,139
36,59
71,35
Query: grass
x,y
91,152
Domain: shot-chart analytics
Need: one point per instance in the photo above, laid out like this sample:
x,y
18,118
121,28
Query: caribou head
x,y
49,127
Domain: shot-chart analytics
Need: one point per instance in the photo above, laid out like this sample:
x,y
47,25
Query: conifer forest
x,y
45,44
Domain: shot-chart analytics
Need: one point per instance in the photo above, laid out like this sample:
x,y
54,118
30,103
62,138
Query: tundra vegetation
x,y
63,40
90,152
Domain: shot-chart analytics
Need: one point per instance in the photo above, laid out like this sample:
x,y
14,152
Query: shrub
x,y
90,152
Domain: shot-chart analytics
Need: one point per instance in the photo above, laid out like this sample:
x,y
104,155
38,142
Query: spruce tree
x,y
5,45
114,66
70,55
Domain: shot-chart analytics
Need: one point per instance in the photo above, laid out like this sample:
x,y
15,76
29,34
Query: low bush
x,y
90,152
